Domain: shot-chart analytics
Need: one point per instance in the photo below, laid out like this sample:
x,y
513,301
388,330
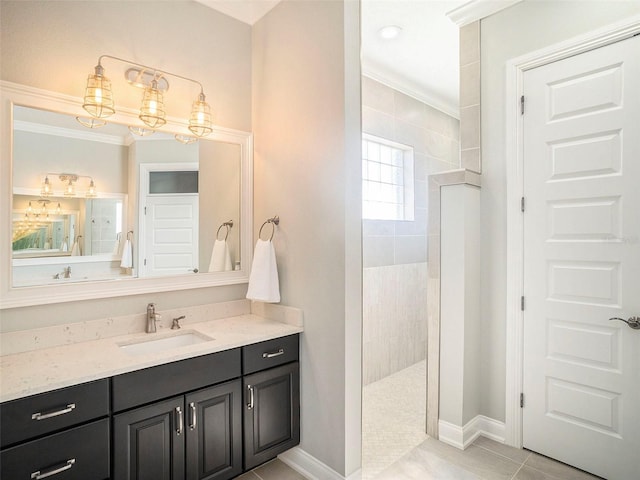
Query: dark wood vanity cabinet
x,y
271,385
205,418
196,435
62,434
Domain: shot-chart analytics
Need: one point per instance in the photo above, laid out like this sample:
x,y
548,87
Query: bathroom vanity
x,y
211,415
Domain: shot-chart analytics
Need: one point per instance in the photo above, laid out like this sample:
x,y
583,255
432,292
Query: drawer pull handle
x,y
192,421
44,416
273,354
53,471
180,420
250,404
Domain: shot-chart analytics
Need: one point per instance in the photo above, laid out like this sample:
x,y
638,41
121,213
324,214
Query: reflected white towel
x,y
127,255
220,257
263,281
116,245
64,247
75,249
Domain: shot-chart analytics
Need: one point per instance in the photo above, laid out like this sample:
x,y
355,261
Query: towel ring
x,y
273,221
229,226
130,235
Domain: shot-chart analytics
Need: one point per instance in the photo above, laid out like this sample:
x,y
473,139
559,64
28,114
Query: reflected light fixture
x,y
58,209
186,139
91,122
98,100
140,131
91,191
45,191
69,190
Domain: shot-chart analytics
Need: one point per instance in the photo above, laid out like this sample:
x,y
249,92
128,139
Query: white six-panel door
x,y
581,376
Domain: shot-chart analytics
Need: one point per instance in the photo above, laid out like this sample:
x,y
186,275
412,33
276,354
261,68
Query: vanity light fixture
x,y
70,190
91,191
29,209
98,100
58,209
69,180
91,122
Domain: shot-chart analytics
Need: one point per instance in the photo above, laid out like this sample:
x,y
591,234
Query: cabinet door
x,y
271,413
214,432
149,442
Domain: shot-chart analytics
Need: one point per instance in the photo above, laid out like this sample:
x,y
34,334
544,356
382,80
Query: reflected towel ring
x,y
273,221
130,235
229,225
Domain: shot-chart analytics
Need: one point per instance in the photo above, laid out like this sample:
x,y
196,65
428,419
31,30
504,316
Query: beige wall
x,y
54,45
523,28
306,118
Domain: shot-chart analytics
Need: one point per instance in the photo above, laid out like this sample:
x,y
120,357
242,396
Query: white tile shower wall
x,y
433,135
395,325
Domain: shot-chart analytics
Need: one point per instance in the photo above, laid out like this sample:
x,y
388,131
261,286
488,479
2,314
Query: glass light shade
x,y
91,191
98,99
200,119
186,139
91,122
70,190
142,132
46,190
152,110
29,209
58,209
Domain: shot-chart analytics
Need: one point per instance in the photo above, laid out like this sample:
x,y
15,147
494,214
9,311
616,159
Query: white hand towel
x,y
127,255
263,281
75,249
116,245
220,257
64,247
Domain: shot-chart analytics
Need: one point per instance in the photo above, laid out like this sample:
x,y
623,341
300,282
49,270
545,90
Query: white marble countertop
x,y
41,370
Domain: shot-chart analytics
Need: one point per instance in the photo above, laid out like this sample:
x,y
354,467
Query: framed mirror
x,y
102,212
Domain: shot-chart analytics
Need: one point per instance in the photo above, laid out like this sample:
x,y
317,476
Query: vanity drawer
x,y
81,453
155,383
41,414
271,353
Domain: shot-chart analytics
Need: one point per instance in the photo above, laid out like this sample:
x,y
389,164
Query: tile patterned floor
x,y
393,418
273,470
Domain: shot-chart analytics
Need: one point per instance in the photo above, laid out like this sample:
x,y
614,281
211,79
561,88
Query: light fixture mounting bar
x,y
156,73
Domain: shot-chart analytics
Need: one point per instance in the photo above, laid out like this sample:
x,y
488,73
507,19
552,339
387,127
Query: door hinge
x,y
522,303
522,105
522,204
145,262
145,210
522,400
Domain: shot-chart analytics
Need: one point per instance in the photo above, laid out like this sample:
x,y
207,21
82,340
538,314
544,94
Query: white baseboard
x,y
311,467
462,437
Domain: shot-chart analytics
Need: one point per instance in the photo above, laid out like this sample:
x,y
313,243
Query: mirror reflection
x,y
104,204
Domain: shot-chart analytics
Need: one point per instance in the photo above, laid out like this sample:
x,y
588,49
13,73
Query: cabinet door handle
x,y
55,413
54,470
273,354
250,404
192,421
180,420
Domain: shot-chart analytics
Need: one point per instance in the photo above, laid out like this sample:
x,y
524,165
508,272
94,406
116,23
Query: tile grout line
x,y
501,455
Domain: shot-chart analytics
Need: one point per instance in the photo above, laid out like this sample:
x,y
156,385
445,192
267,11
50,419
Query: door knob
x,y
633,322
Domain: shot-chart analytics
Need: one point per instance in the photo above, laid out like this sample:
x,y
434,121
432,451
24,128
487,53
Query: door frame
x,y
515,69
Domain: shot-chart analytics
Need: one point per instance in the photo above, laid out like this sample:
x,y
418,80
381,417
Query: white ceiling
x,y
422,61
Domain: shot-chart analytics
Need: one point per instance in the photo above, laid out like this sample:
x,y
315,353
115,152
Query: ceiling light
x,y
390,32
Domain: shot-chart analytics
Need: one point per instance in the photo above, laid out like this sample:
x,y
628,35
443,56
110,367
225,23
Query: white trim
x,y
477,10
88,135
462,437
398,85
310,466
515,69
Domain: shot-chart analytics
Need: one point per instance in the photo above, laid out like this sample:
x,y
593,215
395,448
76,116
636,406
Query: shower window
x,y
387,179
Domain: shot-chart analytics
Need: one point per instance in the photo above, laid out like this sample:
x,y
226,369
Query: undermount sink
x,y
154,345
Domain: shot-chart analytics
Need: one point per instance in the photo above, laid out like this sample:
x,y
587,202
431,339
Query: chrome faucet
x,y
67,272
152,317
176,322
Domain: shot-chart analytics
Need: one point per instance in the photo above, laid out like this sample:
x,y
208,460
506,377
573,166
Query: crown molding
x,y
33,127
477,10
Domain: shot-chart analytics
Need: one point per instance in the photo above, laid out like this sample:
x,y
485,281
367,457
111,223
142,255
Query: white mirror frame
x,y
15,94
